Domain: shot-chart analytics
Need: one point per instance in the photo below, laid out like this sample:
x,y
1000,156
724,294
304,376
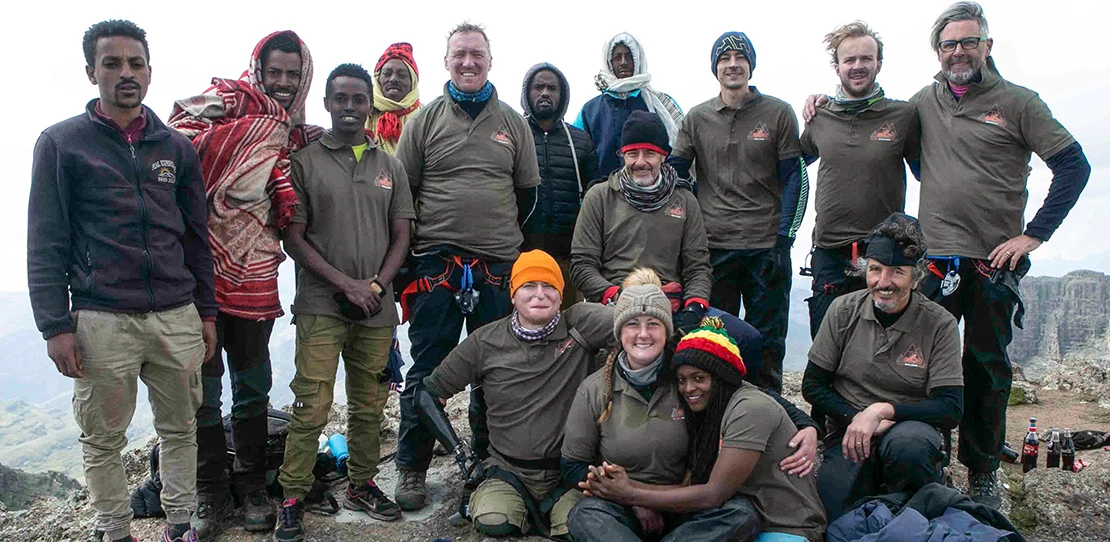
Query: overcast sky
x,y
1055,48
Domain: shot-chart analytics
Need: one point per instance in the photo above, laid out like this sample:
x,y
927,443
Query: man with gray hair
x,y
863,139
977,133
471,165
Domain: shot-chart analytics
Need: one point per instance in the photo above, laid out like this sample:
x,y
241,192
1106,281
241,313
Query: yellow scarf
x,y
402,110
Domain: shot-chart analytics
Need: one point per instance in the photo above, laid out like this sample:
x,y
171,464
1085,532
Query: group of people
x,y
636,231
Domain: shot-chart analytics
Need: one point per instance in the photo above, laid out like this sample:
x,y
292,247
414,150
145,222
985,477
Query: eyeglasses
x,y
968,44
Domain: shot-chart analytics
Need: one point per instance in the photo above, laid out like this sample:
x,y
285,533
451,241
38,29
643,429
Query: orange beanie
x,y
535,266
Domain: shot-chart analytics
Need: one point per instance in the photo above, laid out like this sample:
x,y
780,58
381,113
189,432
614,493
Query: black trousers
x,y
832,278
246,343
987,308
904,458
760,278
434,329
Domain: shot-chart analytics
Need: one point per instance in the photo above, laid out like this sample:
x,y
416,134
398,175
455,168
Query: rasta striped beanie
x,y
711,349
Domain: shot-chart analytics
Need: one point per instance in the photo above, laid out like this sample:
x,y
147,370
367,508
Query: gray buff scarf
x,y
654,197
526,334
853,105
642,377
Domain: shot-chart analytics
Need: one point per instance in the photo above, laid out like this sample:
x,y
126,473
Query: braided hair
x,y
703,430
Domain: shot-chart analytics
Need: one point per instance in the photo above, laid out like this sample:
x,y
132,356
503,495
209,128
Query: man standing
x,y
471,163
752,190
396,95
862,139
349,235
117,221
977,133
243,131
567,165
625,85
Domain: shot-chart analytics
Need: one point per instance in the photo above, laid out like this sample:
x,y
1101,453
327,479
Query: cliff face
x,y
1066,340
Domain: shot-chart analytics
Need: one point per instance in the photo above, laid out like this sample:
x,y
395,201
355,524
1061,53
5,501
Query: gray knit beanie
x,y
639,300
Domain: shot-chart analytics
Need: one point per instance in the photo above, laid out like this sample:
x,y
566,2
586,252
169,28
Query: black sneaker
x,y
211,518
189,536
258,512
984,488
290,524
371,500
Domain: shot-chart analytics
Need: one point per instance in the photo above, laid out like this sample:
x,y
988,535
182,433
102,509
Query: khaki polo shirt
x,y
529,385
347,207
900,364
862,178
788,504
646,437
736,155
463,174
975,161
612,238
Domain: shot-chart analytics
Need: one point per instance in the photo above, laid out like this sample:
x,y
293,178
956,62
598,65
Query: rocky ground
x,y
1046,505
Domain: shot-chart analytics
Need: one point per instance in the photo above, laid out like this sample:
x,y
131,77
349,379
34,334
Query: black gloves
x,y
689,318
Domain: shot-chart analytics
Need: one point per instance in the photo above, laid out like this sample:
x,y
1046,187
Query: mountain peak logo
x,y
886,132
913,358
994,116
383,180
165,170
760,132
677,211
501,135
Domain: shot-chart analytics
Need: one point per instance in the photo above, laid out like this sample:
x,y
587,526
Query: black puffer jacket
x,y
560,195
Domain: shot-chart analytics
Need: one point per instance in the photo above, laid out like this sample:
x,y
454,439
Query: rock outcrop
x,y
19,489
1066,340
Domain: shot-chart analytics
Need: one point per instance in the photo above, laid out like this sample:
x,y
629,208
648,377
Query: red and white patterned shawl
x,y
244,139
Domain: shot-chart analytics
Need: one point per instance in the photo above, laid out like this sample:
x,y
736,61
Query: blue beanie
x,y
732,41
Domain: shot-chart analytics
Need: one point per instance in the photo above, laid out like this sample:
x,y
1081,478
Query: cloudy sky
x,y
1057,49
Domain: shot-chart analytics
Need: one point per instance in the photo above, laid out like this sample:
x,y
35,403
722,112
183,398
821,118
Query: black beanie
x,y
732,41
644,130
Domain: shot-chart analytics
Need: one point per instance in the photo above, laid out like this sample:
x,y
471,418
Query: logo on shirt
x,y
383,180
885,132
677,211
563,346
501,135
913,358
677,414
165,170
994,116
760,132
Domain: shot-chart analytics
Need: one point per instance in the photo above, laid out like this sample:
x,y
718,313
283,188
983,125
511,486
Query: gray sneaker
x,y
984,488
211,518
258,512
412,493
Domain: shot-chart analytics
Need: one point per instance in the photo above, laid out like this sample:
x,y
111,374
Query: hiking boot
x,y
258,512
371,500
188,536
290,524
984,488
211,518
411,492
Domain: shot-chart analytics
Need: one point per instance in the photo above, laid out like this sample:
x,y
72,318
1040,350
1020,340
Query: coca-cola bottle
x,y
1030,448
1067,452
1053,457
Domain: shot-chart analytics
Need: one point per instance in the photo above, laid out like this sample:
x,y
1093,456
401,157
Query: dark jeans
x,y
246,343
831,279
986,308
594,519
905,458
434,329
761,279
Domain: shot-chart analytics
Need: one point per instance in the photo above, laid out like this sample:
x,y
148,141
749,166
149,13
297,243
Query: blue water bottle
x,y
338,446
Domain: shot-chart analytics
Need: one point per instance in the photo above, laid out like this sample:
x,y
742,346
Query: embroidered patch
x,y
994,116
913,358
165,170
885,132
760,132
563,346
383,180
501,135
677,414
676,211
